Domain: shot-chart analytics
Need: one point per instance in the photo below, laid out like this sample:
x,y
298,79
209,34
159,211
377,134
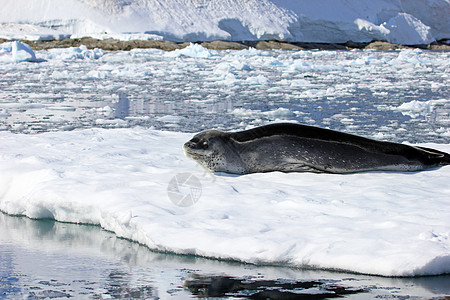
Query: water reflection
x,y
121,106
47,259
221,286
119,285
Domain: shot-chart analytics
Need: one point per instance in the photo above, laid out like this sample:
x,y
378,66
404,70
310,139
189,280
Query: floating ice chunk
x,y
260,79
22,52
280,113
241,66
4,113
251,52
223,68
276,62
83,52
138,118
170,119
411,56
245,113
368,60
106,110
301,65
61,74
227,72
130,72
228,79
111,123
347,121
415,108
95,74
16,52
294,82
382,136
72,53
232,67
17,127
315,93
443,132
193,50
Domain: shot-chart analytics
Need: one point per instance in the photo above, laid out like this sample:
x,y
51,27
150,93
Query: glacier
x,y
408,22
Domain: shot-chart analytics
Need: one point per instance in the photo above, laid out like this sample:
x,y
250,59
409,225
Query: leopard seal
x,y
288,147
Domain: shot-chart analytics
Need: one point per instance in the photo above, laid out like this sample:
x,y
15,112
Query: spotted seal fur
x,y
288,147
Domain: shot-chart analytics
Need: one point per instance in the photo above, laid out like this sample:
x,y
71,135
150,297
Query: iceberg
x,y
16,52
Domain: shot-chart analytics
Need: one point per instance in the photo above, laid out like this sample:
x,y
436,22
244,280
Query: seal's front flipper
x,y
301,167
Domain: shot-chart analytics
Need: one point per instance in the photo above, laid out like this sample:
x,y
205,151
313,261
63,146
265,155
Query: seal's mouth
x,y
191,152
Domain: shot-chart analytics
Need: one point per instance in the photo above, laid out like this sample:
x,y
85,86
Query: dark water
x,y
44,259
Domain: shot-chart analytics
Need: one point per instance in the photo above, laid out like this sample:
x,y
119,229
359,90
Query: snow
x,y
403,21
393,224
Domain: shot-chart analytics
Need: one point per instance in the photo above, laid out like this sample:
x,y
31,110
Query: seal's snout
x,y
188,145
190,148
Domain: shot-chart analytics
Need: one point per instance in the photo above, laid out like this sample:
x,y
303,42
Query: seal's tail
x,y
439,157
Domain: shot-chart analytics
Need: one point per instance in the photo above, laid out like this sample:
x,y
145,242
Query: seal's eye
x,y
204,145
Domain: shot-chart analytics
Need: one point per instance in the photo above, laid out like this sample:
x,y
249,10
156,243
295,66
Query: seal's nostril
x,y
188,145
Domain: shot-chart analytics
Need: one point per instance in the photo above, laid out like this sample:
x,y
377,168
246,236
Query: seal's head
x,y
214,150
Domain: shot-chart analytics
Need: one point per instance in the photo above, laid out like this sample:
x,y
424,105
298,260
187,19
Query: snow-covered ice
x,y
404,21
108,150
376,223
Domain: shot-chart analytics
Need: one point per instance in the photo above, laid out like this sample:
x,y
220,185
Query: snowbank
x,y
402,21
127,179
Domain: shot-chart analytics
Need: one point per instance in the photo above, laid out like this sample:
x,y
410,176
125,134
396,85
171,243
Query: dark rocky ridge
x,y
115,45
